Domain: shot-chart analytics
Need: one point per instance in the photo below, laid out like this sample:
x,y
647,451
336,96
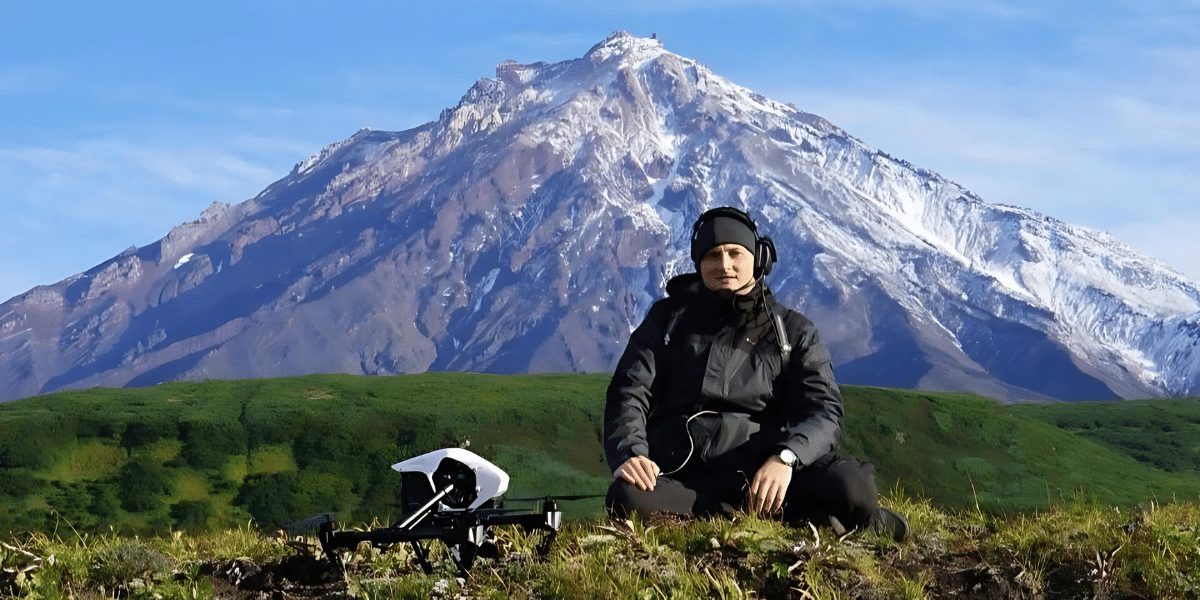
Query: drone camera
x,y
460,478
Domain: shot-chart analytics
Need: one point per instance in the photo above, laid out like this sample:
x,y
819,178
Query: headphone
x,y
764,248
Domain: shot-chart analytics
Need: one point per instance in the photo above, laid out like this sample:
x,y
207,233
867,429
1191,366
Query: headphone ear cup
x,y
764,256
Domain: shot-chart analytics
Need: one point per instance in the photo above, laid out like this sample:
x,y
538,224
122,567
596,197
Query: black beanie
x,y
721,230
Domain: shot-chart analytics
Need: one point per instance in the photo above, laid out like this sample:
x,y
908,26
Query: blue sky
x,y
123,119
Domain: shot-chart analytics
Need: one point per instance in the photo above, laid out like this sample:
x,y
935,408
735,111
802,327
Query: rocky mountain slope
x,y
530,227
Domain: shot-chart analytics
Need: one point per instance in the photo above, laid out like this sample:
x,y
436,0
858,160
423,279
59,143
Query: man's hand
x,y
769,487
640,471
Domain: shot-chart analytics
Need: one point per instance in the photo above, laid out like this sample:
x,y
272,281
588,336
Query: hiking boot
x,y
890,522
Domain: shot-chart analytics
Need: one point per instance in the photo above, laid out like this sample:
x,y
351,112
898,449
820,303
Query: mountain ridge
x,y
529,228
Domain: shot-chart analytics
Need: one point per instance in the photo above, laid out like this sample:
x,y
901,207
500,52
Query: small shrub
x,y
119,564
192,514
140,484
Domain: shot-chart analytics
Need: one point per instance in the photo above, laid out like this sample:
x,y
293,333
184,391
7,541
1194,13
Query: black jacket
x,y
698,351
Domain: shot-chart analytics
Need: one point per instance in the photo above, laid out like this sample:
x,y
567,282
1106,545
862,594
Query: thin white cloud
x,y
1146,122
99,163
25,79
556,41
71,207
948,9
925,9
201,169
1167,240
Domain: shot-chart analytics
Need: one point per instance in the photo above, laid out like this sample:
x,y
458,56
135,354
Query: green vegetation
x,y
1070,549
1163,433
219,454
962,450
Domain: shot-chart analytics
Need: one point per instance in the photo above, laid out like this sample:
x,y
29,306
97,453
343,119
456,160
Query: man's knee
x,y
857,481
668,496
618,501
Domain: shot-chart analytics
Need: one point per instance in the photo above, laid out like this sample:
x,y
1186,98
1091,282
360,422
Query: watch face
x,y
788,457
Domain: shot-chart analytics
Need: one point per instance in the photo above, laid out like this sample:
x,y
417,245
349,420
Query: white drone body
x,y
490,480
447,495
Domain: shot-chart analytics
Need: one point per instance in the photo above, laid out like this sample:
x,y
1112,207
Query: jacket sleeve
x,y
809,396
631,391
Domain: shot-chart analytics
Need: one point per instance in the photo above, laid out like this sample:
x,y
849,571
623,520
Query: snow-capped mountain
x,y
531,226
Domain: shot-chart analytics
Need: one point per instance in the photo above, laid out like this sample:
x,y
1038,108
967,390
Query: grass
x,y
91,460
1074,548
270,460
160,451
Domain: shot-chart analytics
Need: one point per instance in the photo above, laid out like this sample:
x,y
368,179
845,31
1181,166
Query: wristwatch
x,y
787,457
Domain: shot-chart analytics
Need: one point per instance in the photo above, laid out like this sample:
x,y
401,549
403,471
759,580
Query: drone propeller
x,y
567,498
311,523
554,497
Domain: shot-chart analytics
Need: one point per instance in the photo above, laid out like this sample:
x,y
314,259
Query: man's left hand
x,y
769,487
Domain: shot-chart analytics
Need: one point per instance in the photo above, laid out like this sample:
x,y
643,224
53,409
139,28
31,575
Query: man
x,y
724,398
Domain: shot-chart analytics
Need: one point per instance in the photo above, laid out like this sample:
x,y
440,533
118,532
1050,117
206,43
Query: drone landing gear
x,y
423,557
465,533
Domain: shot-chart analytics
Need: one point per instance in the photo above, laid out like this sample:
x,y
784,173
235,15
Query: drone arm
x,y
331,539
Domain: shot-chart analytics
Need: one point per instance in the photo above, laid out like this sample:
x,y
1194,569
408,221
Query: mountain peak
x,y
531,227
623,43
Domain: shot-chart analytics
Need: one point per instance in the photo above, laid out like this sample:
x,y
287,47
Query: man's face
x,y
728,267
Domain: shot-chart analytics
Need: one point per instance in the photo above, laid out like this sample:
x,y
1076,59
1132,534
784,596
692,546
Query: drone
x,y
451,495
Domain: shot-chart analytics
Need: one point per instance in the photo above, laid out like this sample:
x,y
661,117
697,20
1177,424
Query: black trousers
x,y
843,487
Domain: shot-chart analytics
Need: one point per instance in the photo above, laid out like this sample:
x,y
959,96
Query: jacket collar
x,y
690,288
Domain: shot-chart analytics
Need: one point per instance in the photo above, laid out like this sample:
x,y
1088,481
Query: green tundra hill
x,y
1163,433
962,450
218,454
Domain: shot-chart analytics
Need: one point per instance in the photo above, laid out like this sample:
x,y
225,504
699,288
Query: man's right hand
x,y
640,471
